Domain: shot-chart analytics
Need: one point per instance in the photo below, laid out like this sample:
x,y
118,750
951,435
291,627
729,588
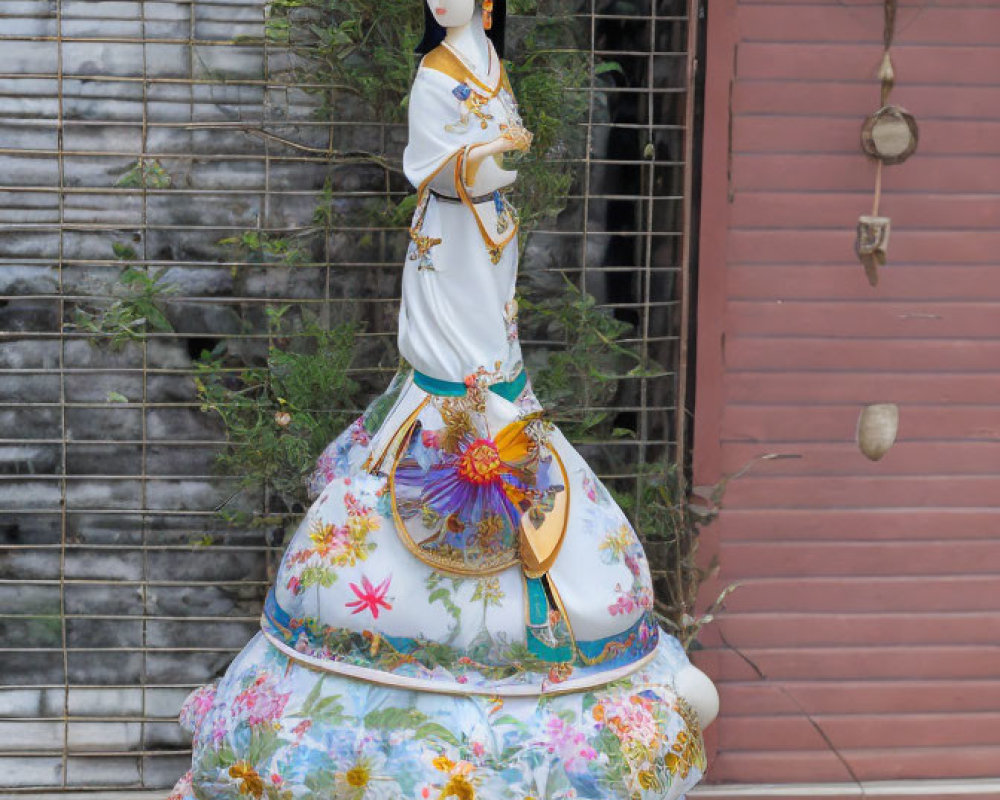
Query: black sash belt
x,y
474,200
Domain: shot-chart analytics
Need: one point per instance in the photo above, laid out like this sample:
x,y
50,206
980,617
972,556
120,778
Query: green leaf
x,y
311,698
434,730
328,703
508,719
394,718
264,742
123,252
158,319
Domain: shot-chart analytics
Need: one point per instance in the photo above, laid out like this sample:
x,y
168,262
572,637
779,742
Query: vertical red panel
x,y
862,642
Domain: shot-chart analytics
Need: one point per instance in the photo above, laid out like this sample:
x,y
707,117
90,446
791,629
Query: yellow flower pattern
x,y
249,781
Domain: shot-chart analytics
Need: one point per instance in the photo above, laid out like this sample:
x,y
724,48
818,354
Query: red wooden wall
x,y
870,597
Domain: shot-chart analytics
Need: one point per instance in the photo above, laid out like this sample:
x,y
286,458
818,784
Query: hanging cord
x,y
889,26
878,188
886,73
888,77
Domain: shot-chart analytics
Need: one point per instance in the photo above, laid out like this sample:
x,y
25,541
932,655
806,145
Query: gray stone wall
x,y
110,610
112,605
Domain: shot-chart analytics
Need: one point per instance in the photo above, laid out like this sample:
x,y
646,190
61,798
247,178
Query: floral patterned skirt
x,y
464,612
273,728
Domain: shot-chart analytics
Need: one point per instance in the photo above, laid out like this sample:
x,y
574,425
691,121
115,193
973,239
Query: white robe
x,y
457,314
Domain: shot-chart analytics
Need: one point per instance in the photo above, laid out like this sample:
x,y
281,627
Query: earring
x,y
487,14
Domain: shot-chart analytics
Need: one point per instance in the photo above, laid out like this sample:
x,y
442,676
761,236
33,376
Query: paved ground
x,y
897,790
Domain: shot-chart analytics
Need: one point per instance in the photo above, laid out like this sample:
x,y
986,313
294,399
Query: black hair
x,y
434,32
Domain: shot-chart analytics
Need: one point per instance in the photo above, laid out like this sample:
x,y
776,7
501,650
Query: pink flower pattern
x,y
568,743
369,596
196,707
260,703
623,546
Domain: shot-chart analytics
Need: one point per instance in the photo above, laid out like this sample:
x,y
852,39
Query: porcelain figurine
x,y
464,611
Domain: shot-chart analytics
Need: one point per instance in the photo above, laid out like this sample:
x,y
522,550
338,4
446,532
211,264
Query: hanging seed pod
x,y
887,75
877,426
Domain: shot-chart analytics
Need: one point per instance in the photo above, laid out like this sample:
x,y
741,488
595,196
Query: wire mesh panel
x,y
162,165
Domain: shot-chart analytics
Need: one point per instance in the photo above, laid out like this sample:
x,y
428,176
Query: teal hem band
x,y
538,618
508,390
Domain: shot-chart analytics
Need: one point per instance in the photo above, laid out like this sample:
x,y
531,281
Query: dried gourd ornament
x,y
877,427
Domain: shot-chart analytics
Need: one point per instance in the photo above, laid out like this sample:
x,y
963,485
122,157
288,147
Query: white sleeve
x,y
430,154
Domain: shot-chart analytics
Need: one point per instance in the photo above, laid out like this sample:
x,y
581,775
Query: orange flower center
x,y
459,787
480,463
357,777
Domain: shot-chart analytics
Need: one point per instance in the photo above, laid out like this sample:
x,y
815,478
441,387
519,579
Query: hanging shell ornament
x,y
890,135
877,427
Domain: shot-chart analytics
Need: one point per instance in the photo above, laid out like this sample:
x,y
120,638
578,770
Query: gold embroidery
x,y
688,749
475,104
541,539
471,104
495,248
399,440
421,250
441,59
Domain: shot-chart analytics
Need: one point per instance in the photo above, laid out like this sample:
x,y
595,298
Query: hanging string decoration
x,y
890,137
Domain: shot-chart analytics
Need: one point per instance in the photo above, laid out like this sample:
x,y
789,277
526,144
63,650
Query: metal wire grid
x,y
109,613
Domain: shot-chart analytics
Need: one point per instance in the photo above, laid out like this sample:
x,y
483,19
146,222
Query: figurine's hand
x,y
504,143
512,138
519,137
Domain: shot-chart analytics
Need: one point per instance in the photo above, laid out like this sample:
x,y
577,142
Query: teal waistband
x,y
508,390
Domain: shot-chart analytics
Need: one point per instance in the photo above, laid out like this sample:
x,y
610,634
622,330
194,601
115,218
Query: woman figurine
x,y
464,612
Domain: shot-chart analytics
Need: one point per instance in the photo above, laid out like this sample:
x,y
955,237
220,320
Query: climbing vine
x,y
279,416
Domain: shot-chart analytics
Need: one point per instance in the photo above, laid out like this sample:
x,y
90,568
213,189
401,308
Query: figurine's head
x,y
442,14
451,13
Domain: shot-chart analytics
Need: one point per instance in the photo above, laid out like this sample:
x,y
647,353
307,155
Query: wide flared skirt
x,y
275,728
